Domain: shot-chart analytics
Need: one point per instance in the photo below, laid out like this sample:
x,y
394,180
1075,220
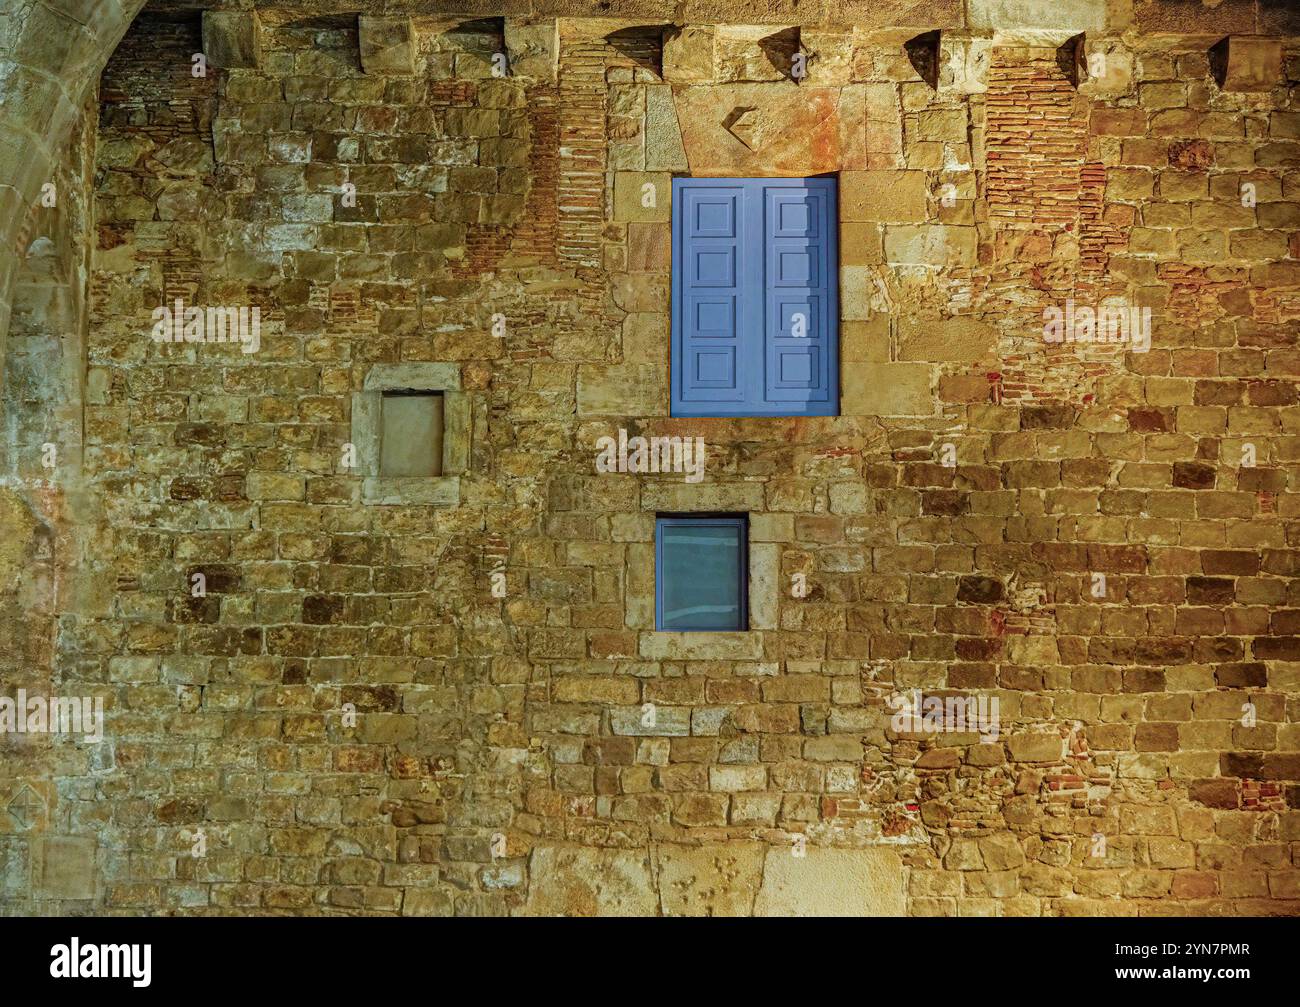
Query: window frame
x,y
738,521
367,431
764,408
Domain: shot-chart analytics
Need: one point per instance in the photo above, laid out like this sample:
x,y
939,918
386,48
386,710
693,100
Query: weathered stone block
x,y
702,646
639,292
387,45
851,113
764,581
1247,63
643,196
649,247
886,389
884,140
861,243
1105,67
663,136
711,880
1162,17
831,882
1035,748
63,867
961,339
829,57
574,881
752,130
232,39
1002,851
1034,649
532,48
942,124
1279,17
931,245
662,722
884,196
861,296
734,779
601,689
688,55
754,52
866,341
964,62
622,390
1016,15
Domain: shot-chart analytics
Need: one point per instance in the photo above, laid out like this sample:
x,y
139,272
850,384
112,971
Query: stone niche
x,y
439,485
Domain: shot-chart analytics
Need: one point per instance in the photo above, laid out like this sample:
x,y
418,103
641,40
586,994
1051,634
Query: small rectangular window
x,y
701,573
411,434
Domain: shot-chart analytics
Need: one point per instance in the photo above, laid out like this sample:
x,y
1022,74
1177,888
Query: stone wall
x,y
355,722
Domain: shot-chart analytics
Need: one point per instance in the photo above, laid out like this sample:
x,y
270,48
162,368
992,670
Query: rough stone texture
x,y
63,868
960,339
888,389
1227,16
573,881
1019,15
786,128
688,55
233,40
532,48
1250,64
714,880
883,196
387,45
964,62
663,134
743,54
1105,67
831,882
501,760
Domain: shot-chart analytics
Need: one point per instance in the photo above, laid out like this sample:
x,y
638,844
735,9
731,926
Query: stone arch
x,y
51,57
55,54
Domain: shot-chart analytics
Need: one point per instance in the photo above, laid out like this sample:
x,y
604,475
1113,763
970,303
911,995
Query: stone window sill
x,y
432,491
661,645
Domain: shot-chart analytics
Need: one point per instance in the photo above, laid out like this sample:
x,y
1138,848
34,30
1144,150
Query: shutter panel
x,y
755,314
710,267
800,313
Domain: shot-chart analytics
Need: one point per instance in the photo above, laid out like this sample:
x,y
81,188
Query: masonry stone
x,y
232,40
533,48
831,882
387,45
688,55
63,867
1247,63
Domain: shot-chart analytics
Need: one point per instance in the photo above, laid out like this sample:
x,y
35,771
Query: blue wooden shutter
x,y
755,314
709,267
798,232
